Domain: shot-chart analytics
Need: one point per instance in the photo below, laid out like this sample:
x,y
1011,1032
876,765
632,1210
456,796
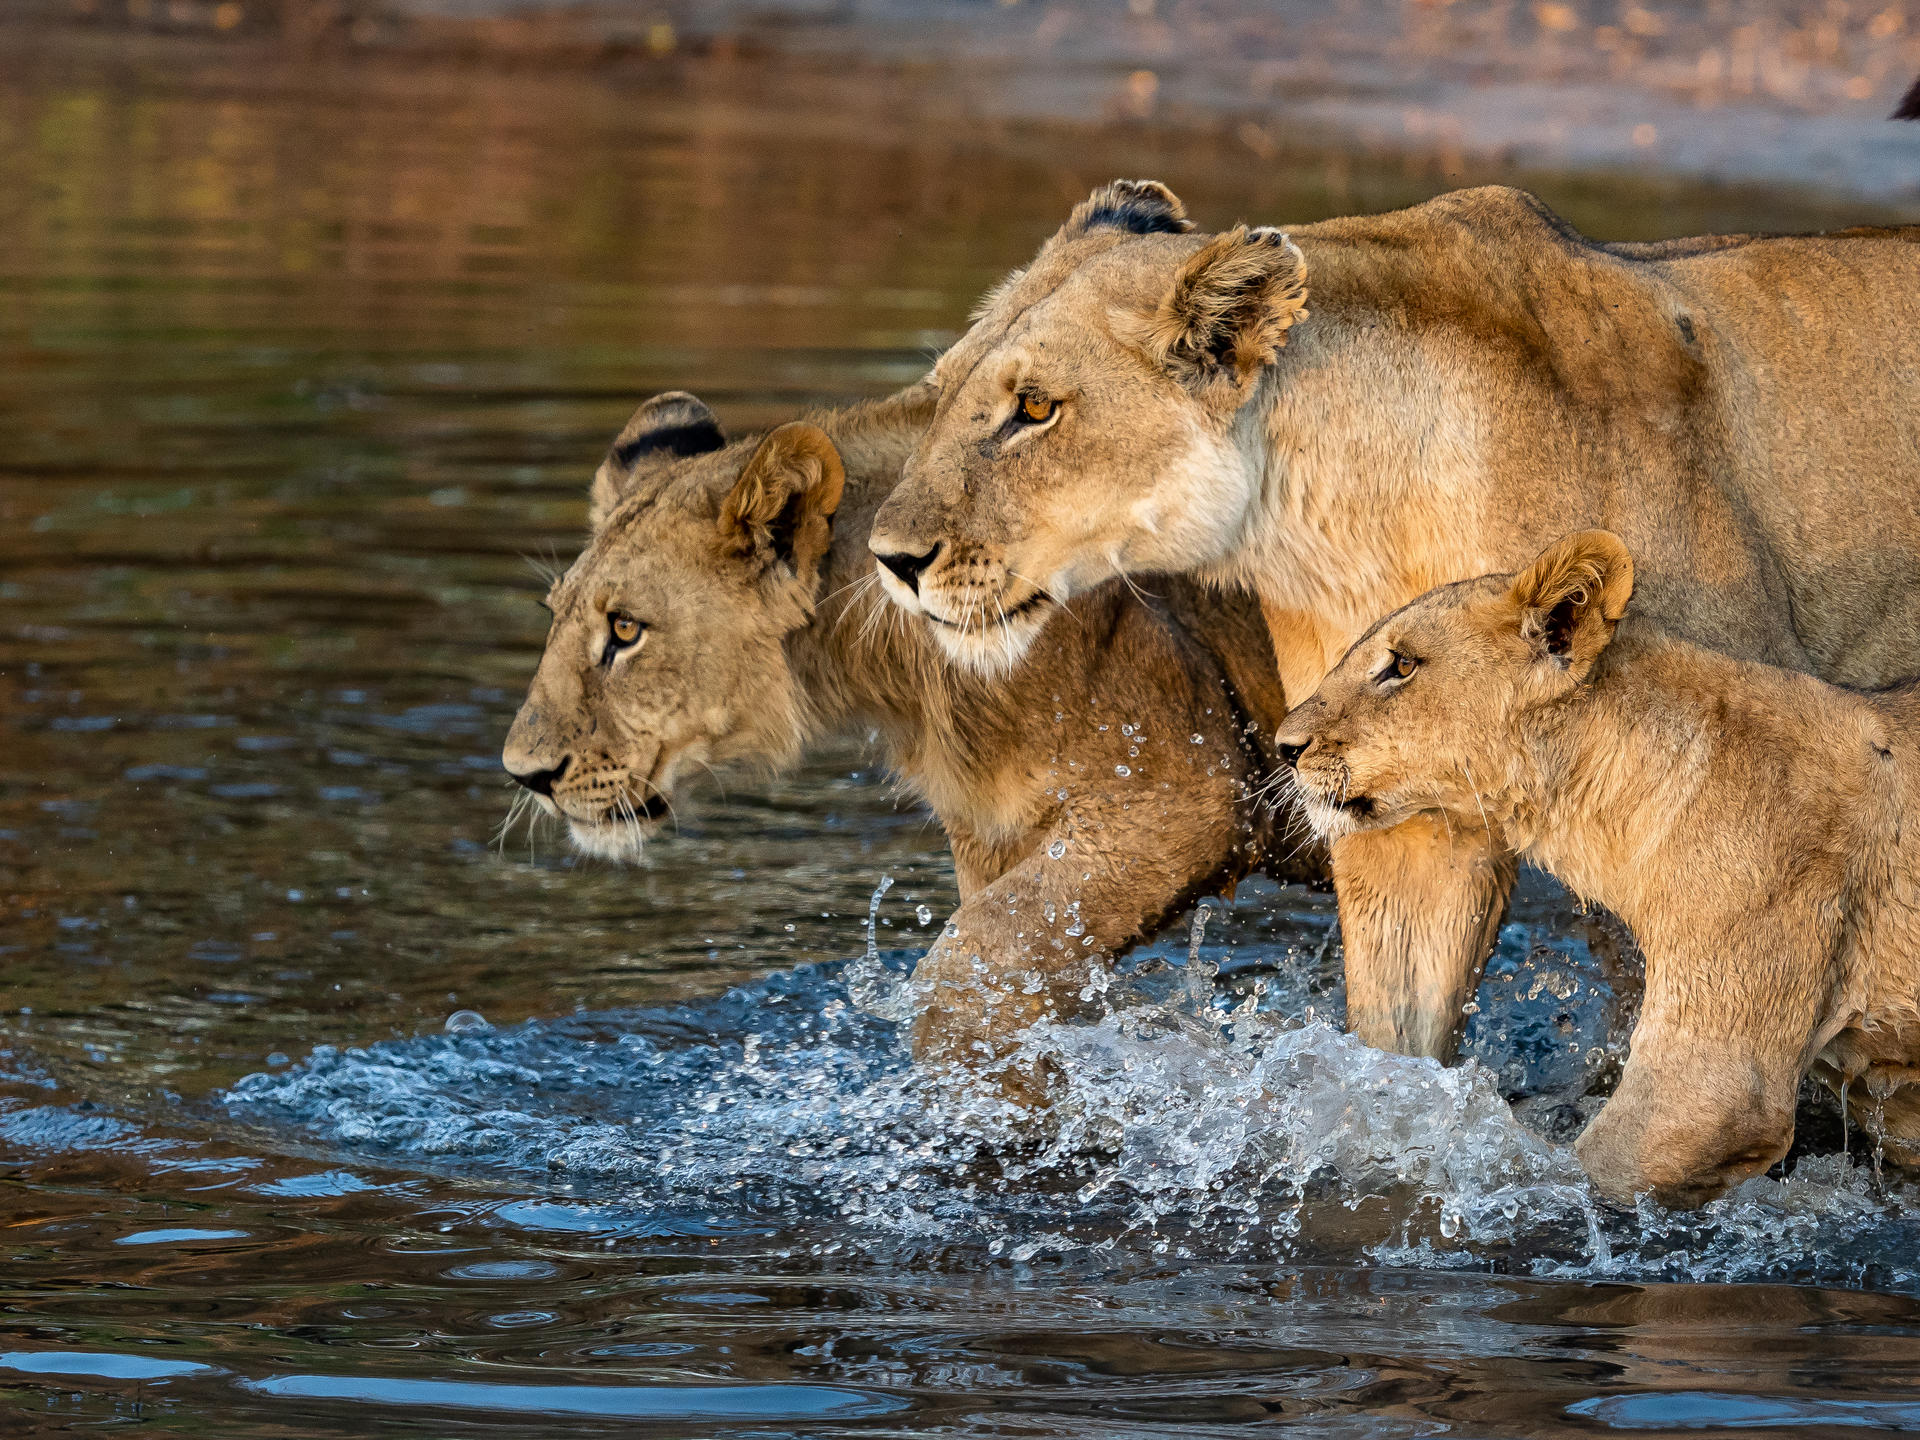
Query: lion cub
x,y
1748,823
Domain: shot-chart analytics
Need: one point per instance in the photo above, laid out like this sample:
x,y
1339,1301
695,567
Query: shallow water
x,y
320,1115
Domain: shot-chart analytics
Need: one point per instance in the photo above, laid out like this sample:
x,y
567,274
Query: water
x,y
320,1115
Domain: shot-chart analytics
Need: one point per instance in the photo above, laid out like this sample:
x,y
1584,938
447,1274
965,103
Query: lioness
x,y
1347,413
724,609
1751,825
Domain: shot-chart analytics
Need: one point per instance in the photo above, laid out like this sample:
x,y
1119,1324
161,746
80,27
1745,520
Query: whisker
x,y
1059,605
1127,580
672,814
1473,786
720,783
507,822
629,821
548,570
859,582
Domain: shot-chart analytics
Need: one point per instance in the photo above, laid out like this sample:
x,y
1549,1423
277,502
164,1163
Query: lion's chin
x,y
994,650
621,843
1331,821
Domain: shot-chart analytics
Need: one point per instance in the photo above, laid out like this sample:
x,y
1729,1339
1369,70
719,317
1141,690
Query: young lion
x,y
724,609
1747,822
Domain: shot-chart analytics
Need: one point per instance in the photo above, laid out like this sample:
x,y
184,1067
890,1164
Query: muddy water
x,y
322,1115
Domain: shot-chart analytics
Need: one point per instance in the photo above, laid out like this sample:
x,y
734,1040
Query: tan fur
x,y
1750,824
1474,379
750,655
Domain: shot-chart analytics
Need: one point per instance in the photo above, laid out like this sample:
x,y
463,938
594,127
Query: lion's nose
x,y
540,782
907,565
1291,751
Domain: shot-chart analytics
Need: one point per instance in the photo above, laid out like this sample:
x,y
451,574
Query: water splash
x,y
871,985
1183,1123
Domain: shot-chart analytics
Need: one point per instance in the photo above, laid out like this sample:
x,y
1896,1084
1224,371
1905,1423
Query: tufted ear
x,y
1230,308
1573,595
782,505
1139,207
667,426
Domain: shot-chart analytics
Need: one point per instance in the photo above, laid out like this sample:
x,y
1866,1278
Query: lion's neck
x,y
864,663
1621,776
1371,487
862,660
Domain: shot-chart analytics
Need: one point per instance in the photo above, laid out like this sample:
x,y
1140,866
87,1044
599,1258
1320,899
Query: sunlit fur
x,y
747,659
1749,823
1345,414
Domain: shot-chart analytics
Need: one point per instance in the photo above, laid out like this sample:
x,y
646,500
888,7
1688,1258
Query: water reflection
x,y
303,361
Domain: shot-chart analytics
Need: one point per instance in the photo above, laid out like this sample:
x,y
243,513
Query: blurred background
x,y
315,316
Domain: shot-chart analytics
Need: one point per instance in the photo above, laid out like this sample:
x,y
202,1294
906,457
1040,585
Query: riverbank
x,y
1762,92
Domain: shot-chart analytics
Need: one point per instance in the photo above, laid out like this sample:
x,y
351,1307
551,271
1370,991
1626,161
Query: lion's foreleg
x,y
1693,1115
1025,948
1017,952
1420,907
1733,1016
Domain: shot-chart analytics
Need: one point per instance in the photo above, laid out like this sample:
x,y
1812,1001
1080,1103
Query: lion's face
x,y
1426,712
667,649
1085,427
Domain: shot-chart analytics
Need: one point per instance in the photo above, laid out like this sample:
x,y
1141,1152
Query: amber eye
x,y
1036,408
1403,665
625,628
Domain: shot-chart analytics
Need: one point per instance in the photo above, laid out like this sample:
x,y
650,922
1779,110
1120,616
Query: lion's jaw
x,y
987,630
623,844
619,820
1337,803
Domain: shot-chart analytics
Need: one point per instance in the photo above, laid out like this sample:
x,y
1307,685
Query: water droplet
x,y
1198,739
467,1022
924,914
1122,771
1059,847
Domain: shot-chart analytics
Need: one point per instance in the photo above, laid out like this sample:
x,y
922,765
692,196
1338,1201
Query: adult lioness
x,y
1349,413
723,610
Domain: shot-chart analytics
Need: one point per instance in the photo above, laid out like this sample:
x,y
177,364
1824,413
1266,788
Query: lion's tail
x,y
1909,106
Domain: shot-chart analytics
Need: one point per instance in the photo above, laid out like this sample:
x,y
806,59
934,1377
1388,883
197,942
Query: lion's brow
x,y
1007,330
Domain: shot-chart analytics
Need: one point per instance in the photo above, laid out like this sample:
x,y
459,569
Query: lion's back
x,y
1761,392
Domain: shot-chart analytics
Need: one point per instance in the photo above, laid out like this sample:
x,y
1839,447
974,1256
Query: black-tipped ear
x,y
1909,106
1139,207
675,423
668,426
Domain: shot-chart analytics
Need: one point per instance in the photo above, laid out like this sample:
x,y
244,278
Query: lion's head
x,y
667,644
1423,713
1085,423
